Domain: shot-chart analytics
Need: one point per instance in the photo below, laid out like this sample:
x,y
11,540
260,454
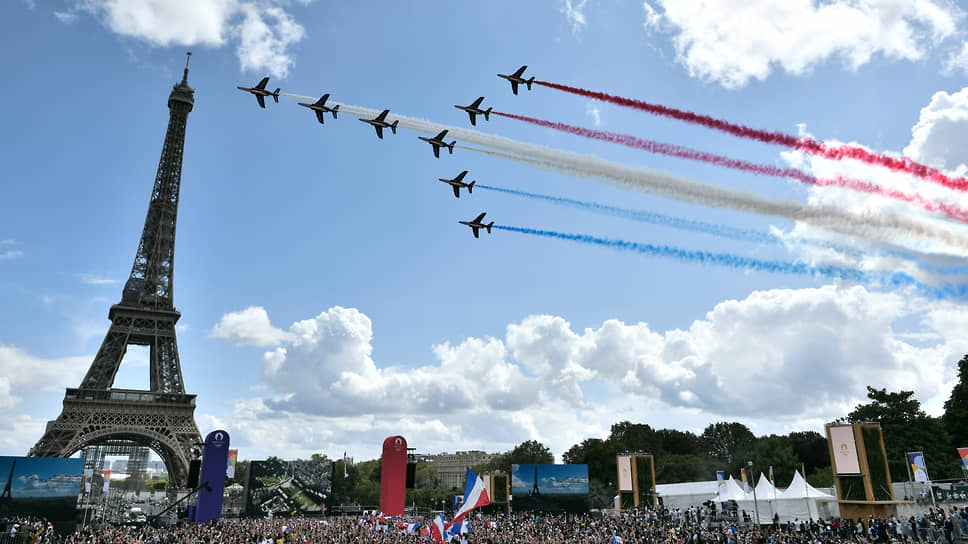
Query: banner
x,y
393,476
215,458
844,448
918,468
771,475
625,473
88,474
746,484
720,480
963,452
230,469
107,480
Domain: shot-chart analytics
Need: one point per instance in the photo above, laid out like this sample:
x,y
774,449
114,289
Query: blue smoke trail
x,y
890,279
725,231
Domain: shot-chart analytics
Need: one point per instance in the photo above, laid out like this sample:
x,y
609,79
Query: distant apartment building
x,y
452,467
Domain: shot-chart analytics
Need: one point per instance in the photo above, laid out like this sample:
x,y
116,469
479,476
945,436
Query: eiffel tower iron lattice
x,y
161,418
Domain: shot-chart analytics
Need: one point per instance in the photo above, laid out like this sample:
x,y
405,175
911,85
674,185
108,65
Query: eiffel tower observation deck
x,y
162,418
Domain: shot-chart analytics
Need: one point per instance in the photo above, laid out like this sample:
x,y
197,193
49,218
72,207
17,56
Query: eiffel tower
x,y
163,418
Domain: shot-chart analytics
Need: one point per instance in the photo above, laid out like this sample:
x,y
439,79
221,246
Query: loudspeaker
x,y
411,473
194,467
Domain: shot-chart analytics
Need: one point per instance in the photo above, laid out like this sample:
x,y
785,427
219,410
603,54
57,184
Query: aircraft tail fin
x,y
529,82
275,95
393,127
450,148
488,226
335,109
487,114
470,186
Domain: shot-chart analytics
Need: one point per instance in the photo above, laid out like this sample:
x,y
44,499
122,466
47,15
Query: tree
x,y
636,437
955,416
811,449
773,451
599,455
530,452
678,442
905,427
726,442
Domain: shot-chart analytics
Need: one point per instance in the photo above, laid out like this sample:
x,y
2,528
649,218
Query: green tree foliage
x,y
599,455
675,468
726,442
810,447
676,442
773,451
636,437
530,452
955,416
907,428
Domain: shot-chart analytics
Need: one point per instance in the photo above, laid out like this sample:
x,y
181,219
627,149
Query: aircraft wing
x,y
456,191
320,116
514,87
379,131
477,102
382,115
323,99
261,99
473,119
262,84
436,151
477,233
480,217
441,135
520,71
461,176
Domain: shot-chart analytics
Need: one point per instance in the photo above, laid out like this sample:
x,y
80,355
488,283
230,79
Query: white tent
x,y
686,494
730,491
799,500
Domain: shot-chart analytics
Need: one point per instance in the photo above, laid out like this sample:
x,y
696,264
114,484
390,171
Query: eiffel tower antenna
x,y
162,418
7,488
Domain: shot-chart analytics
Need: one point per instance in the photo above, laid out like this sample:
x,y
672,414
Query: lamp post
x,y
756,509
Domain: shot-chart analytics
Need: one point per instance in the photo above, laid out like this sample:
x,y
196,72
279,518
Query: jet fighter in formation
x,y
261,92
379,123
320,108
516,78
438,142
458,182
474,110
476,225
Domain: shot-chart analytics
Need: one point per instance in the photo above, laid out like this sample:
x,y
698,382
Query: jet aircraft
x,y
320,108
476,225
438,142
458,182
516,78
379,123
261,93
474,109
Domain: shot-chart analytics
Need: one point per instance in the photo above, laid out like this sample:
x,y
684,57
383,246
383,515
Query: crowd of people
x,y
935,525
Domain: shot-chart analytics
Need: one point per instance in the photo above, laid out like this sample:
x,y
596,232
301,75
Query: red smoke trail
x,y
809,145
951,211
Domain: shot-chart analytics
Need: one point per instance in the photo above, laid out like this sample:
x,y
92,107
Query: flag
x,y
230,470
746,485
458,529
963,452
437,531
88,474
918,468
617,540
720,480
475,496
345,473
771,474
107,480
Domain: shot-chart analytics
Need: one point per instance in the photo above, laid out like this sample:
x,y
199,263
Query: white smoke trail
x,y
868,223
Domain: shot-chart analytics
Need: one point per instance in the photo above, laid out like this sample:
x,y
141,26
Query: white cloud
x,y
250,326
576,15
733,41
777,360
25,374
10,254
262,30
958,62
938,139
94,279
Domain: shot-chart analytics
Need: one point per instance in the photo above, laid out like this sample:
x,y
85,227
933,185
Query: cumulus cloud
x,y
731,42
575,14
263,31
958,62
250,326
776,360
23,373
938,139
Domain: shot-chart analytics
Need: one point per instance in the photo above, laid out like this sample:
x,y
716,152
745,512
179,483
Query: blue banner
x,y
212,479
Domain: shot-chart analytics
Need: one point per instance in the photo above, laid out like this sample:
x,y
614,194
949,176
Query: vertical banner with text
x,y
918,469
393,476
625,473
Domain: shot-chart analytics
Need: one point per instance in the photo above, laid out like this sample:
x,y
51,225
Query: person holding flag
x,y
475,496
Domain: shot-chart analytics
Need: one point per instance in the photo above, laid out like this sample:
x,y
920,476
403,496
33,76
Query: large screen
x,y
42,486
549,488
285,487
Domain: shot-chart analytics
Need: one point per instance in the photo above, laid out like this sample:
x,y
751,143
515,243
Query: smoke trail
x,y
723,231
953,212
869,223
891,279
809,145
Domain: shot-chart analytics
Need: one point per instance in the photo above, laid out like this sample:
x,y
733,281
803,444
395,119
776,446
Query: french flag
x,y
475,496
617,540
437,531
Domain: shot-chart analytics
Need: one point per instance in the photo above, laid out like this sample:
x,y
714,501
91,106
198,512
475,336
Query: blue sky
x,y
329,297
